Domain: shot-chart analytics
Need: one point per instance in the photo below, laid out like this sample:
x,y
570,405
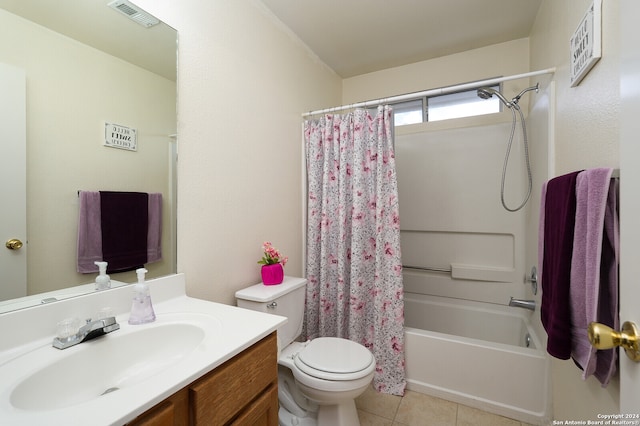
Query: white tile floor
x,y
416,409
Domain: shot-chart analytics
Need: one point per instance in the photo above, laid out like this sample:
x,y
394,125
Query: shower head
x,y
487,92
517,98
484,93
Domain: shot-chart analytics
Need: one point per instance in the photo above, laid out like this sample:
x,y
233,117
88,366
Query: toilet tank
x,y
286,299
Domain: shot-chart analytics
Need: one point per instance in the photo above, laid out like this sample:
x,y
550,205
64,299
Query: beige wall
x,y
72,90
586,129
478,64
243,81
586,135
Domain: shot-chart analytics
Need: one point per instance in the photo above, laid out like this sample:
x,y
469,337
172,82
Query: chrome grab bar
x,y
426,268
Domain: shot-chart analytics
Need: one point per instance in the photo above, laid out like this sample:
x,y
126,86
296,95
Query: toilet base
x,y
344,414
285,418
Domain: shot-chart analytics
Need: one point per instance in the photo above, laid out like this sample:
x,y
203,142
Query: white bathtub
x,y
475,354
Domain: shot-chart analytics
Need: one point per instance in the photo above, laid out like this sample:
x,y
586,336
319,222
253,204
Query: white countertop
x,y
230,331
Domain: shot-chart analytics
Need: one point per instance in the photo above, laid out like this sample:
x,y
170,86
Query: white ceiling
x,y
355,37
351,36
93,23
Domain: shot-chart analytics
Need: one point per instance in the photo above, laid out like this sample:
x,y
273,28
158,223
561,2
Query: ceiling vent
x,y
134,13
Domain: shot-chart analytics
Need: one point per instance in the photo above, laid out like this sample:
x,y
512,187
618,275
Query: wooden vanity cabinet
x,y
173,411
241,392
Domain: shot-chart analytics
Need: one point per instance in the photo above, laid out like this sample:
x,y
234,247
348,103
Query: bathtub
x,y
477,354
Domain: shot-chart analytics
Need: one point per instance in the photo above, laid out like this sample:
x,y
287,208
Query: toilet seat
x,y
335,359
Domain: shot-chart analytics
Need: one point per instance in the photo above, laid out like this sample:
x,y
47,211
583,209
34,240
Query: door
x,y
13,217
629,198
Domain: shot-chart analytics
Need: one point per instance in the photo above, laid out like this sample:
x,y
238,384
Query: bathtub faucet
x,y
526,304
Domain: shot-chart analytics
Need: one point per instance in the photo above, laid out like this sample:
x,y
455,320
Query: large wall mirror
x,y
87,64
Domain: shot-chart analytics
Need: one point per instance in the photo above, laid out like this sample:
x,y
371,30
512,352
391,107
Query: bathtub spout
x,y
526,304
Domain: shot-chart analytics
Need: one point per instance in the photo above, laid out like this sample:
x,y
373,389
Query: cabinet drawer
x,y
221,395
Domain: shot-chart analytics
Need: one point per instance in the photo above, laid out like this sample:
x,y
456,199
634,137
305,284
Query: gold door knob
x,y
14,244
604,337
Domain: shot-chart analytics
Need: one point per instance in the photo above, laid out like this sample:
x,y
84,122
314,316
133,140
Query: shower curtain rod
x,y
431,92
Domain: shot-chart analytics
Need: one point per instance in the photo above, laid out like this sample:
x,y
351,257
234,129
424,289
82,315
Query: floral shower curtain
x,y
355,288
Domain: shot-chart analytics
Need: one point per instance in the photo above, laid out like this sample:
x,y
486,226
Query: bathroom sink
x,y
115,378
109,363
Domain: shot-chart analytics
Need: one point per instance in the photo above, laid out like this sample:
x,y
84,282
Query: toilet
x,y
318,380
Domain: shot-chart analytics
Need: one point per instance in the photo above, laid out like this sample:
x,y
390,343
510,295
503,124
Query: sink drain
x,y
109,391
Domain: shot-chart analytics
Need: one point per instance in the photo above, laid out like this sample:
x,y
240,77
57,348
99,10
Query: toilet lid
x,y
334,358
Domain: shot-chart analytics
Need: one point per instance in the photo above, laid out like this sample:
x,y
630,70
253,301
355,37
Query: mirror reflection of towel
x,y
124,222
154,231
89,232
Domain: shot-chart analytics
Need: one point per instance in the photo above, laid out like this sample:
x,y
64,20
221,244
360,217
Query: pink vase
x,y
272,274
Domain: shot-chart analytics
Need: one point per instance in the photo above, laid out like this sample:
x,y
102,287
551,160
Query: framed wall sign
x,y
586,43
121,137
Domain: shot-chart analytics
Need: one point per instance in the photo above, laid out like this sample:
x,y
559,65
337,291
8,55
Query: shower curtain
x,y
354,270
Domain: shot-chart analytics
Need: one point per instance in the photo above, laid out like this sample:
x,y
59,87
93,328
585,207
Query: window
x,y
444,107
409,112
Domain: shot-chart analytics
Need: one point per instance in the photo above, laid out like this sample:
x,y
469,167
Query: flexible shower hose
x,y
514,105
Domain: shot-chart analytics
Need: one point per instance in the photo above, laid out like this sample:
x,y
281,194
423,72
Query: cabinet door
x,y
227,391
263,412
173,411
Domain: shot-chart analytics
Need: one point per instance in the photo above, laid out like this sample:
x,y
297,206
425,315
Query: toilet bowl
x,y
328,372
331,372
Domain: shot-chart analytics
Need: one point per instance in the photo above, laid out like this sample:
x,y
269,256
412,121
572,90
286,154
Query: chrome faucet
x,y
520,303
90,330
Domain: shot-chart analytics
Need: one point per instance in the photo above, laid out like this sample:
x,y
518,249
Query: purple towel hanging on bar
x,y
559,222
124,220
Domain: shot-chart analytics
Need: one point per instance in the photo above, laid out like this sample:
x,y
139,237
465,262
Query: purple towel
x,y
557,234
608,312
594,266
124,220
543,198
89,232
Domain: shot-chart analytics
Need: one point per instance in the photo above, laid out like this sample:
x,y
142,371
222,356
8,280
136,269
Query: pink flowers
x,y
272,255
388,250
396,345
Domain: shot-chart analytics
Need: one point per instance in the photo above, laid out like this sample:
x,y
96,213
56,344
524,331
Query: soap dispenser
x,y
141,308
103,281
